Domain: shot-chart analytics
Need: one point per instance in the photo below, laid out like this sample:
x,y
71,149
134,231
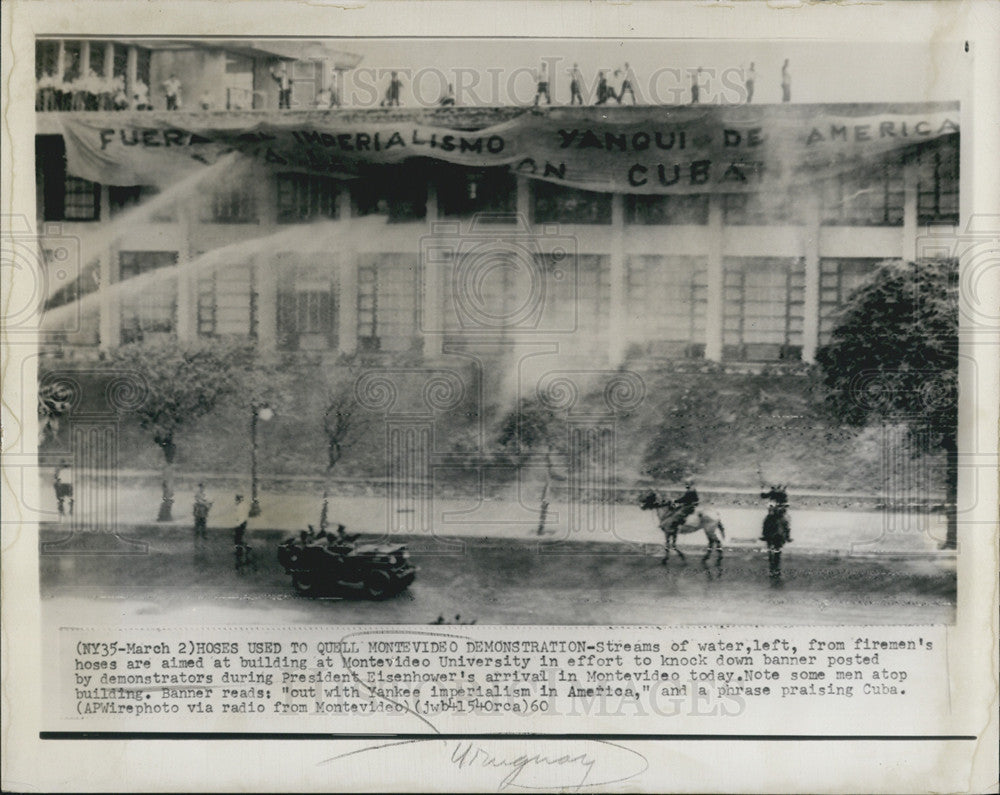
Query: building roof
x,y
283,49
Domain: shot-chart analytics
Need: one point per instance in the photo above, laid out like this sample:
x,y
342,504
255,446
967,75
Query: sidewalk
x,y
828,531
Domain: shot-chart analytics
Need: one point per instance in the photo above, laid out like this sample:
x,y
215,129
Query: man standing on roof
x,y
750,77
575,85
393,91
172,90
542,78
628,81
284,81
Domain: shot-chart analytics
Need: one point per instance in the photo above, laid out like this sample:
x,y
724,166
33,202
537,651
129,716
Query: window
x,y
655,210
72,55
239,82
558,204
227,303
388,303
400,193
465,191
151,311
307,305
120,55
233,205
64,197
97,50
46,58
669,296
763,308
937,184
142,64
307,77
83,200
304,198
873,197
122,198
762,209
837,280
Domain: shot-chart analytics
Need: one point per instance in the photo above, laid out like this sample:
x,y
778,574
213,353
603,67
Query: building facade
x,y
714,275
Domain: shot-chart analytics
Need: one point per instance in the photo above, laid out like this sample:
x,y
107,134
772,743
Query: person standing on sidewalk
x,y
202,505
63,482
786,83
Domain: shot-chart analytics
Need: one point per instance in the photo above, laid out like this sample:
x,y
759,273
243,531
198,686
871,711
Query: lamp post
x,y
258,411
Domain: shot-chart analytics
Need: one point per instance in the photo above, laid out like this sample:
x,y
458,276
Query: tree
x,y
183,382
343,425
893,356
529,429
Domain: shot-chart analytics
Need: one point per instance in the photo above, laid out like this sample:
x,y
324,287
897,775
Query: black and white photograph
x,y
506,332
534,404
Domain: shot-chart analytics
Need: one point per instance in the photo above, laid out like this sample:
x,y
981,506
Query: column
x,y
84,58
524,198
348,296
431,287
714,294
810,310
187,303
266,285
109,322
187,323
61,61
909,211
131,75
109,61
617,314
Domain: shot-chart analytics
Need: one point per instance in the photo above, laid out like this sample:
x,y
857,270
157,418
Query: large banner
x,y
631,149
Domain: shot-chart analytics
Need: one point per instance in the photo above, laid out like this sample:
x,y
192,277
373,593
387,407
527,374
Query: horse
x,y
675,519
776,531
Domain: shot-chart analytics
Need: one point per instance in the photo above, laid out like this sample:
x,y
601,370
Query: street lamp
x,y
258,411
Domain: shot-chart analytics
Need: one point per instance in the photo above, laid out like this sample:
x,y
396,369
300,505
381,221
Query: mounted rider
x,y
686,504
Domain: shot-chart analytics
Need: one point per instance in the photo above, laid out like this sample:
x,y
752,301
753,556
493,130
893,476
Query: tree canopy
x,y
894,352
893,356
182,382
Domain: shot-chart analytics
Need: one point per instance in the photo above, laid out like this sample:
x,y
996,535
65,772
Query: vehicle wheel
x,y
303,584
377,584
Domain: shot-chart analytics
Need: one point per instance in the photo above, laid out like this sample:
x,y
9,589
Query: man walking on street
x,y
63,481
202,505
786,83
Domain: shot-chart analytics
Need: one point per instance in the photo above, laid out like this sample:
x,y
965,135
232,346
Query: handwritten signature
x,y
560,764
